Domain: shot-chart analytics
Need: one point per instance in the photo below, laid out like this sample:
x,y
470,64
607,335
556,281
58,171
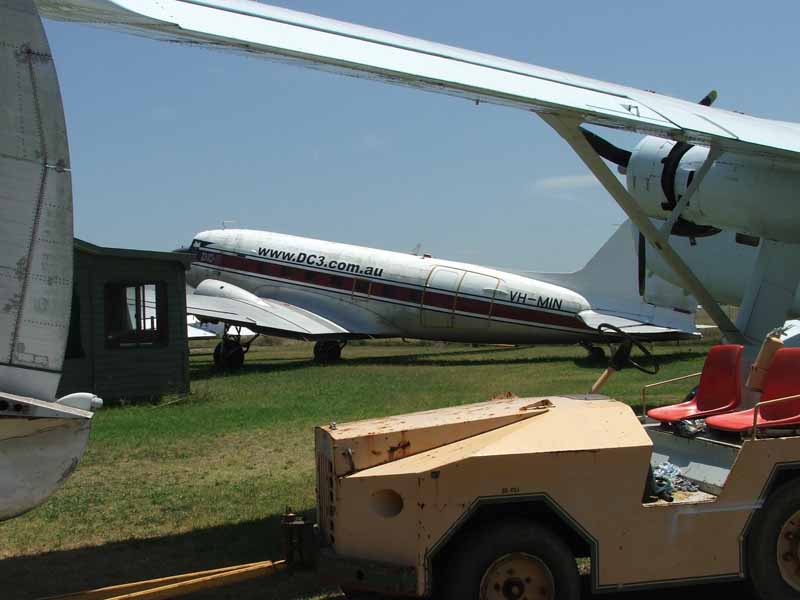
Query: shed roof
x,y
184,258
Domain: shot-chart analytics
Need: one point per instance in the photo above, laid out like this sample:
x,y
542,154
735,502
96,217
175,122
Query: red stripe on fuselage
x,y
390,291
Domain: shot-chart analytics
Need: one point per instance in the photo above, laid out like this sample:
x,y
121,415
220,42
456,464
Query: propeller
x,y
641,256
709,98
607,150
620,156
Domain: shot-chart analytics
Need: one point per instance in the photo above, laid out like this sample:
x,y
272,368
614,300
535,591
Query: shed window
x,y
136,315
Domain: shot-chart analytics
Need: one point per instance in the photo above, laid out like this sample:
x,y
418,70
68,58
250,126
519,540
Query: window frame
x,y
118,338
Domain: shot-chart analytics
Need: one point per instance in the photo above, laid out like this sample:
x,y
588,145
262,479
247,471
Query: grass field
x,y
200,481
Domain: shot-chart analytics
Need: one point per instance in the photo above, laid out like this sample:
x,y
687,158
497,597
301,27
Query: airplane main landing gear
x,y
328,351
596,353
229,353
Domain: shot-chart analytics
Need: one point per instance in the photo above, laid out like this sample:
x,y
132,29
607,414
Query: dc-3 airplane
x,y
697,168
330,293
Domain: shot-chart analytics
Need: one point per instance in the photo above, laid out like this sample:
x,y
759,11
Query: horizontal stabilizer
x,y
639,329
609,282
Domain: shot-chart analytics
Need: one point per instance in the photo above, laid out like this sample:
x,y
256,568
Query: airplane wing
x,y
260,315
638,329
198,333
259,29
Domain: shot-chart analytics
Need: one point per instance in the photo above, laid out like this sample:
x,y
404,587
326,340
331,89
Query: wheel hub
x,y
788,549
518,576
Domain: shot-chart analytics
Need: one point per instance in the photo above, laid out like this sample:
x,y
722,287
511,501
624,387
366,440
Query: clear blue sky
x,y
168,140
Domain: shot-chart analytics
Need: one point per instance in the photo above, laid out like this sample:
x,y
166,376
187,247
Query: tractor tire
x,y
773,546
513,559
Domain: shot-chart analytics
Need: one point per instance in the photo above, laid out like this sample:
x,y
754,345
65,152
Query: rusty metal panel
x,y
364,444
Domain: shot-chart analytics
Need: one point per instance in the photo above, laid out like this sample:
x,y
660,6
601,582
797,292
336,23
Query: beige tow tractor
x,y
499,500
502,500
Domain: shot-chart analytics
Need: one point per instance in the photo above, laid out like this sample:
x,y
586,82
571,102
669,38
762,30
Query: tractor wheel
x,y
773,546
511,560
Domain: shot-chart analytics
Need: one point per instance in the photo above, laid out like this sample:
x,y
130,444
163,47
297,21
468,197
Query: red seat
x,y
719,390
783,379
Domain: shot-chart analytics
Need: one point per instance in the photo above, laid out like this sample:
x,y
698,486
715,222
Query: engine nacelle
x,y
754,196
220,289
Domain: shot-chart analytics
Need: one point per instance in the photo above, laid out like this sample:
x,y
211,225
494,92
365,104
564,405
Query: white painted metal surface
x,y
732,195
41,443
720,262
41,440
563,100
36,200
216,299
285,34
313,289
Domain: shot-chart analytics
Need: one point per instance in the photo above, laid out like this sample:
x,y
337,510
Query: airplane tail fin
x,y
36,204
612,281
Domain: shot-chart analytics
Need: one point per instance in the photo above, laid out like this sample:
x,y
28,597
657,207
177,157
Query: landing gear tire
x,y
773,546
229,355
359,595
596,354
513,560
327,352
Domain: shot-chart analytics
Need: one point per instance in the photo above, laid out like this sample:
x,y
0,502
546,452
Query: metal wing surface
x,y
260,29
264,316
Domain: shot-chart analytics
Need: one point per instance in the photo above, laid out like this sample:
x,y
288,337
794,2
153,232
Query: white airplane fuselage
x,y
380,293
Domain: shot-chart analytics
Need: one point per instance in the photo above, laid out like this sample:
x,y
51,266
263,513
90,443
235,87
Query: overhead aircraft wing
x,y
259,29
638,329
260,315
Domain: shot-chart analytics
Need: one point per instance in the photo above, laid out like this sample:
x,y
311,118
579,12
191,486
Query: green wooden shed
x,y
127,338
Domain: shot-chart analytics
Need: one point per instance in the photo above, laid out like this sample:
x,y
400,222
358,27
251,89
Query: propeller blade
x,y
709,98
642,264
606,149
